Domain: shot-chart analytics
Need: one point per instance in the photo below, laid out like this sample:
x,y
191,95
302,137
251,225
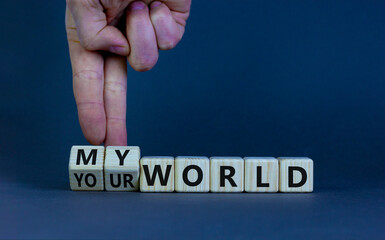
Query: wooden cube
x,y
192,174
296,174
261,174
86,168
226,174
121,168
157,174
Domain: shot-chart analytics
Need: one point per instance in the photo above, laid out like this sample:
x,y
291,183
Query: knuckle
x,y
159,18
88,75
91,41
115,87
89,3
87,43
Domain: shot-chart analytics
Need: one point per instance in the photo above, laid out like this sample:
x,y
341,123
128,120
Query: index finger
x,y
88,78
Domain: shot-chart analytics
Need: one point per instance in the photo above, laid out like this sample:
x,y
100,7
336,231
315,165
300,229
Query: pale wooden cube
x,y
226,174
261,174
121,168
296,174
157,174
86,168
192,174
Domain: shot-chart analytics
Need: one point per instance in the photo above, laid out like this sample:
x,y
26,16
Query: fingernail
x,y
155,4
137,6
118,50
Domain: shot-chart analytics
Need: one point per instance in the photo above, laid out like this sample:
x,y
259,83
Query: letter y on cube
x,y
121,168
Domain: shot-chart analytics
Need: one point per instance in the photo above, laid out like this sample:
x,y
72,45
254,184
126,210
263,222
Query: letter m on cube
x,y
86,168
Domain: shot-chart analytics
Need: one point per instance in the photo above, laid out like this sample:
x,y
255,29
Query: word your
x,y
97,168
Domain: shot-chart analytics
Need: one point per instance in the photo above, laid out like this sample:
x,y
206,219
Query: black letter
x,y
291,180
228,177
199,179
93,179
81,154
79,179
112,181
127,179
157,170
259,178
121,158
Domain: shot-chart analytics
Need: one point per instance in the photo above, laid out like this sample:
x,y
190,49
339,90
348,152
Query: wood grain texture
x,y
192,174
296,163
86,168
121,168
267,181
226,174
157,174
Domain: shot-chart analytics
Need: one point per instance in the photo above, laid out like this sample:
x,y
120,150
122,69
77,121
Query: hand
x,y
100,78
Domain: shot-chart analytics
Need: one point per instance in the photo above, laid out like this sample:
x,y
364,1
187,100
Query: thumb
x,y
93,30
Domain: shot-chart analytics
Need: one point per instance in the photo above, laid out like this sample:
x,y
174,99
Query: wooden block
x,y
261,174
192,174
121,168
86,168
296,174
157,174
226,174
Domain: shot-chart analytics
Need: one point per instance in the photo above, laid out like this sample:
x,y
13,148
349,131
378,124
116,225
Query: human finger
x,y
93,30
168,32
115,90
88,77
141,37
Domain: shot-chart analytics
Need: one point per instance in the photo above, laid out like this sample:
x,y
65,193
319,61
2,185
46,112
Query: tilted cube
x,y
86,168
121,168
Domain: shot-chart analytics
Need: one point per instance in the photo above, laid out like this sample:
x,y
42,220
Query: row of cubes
x,y
95,168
